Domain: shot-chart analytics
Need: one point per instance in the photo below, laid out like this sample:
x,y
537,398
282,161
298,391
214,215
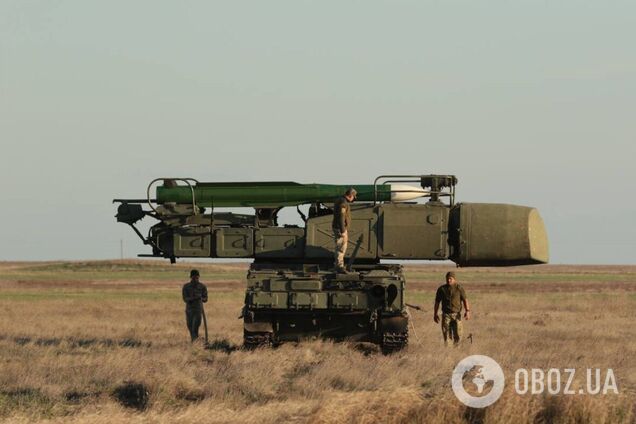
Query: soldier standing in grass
x,y
195,294
451,295
340,225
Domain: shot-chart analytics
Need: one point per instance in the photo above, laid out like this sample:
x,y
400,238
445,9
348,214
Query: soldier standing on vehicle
x,y
340,225
452,296
195,294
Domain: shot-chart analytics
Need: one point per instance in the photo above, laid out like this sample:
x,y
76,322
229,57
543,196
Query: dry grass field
x,y
73,334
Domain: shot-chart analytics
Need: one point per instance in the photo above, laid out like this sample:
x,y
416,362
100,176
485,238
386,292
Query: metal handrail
x,y
411,179
380,177
184,179
440,193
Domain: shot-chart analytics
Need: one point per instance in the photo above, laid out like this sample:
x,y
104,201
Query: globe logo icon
x,y
477,381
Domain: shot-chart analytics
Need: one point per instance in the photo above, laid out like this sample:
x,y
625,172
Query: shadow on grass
x,y
367,349
132,395
475,415
25,399
77,396
190,395
222,345
76,342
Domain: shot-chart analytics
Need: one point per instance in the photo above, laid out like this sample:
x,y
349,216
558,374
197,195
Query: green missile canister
x,y
278,194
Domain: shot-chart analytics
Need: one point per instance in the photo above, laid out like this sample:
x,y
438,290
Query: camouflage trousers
x,y
452,327
341,239
193,321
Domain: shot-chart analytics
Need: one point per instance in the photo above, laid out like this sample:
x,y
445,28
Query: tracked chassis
x,y
304,302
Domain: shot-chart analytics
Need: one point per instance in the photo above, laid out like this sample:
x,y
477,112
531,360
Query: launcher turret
x,y
396,217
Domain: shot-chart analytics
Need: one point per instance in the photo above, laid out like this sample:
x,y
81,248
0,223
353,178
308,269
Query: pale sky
x,y
527,102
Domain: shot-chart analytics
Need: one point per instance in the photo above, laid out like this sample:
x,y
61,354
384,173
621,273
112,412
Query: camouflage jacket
x,y
341,214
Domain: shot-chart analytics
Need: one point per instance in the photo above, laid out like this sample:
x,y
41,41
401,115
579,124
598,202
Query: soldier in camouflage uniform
x,y
195,294
340,225
451,295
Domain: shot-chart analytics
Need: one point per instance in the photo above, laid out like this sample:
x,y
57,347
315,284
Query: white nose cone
x,y
405,192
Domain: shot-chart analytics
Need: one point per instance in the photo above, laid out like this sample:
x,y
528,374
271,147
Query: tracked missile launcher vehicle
x,y
293,291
